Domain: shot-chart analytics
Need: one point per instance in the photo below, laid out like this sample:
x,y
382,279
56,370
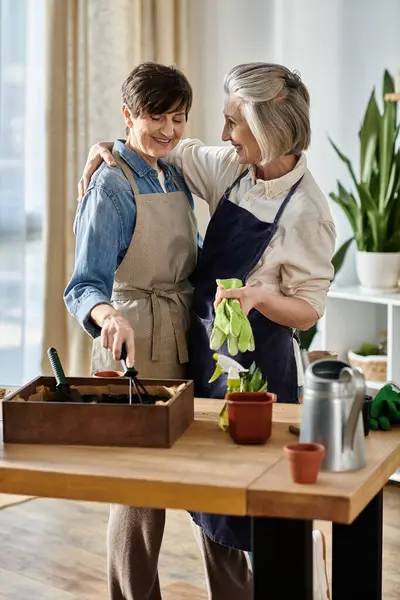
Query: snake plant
x,y
373,205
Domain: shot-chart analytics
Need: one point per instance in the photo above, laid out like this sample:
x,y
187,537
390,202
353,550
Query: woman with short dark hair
x,y
136,235
136,247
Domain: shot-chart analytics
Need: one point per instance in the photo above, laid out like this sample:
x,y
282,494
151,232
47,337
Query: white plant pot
x,y
378,270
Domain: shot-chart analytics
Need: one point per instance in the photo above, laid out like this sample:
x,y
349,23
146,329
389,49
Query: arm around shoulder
x,y
207,170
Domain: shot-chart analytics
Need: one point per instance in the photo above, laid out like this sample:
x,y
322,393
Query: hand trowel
x,y
65,392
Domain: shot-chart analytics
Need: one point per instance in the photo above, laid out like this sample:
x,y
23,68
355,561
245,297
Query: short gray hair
x,y
276,105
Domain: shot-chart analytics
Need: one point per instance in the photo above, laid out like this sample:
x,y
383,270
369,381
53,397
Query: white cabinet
x,y
354,316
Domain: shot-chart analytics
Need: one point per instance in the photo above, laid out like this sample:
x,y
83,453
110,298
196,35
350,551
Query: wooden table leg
x,y
282,559
357,555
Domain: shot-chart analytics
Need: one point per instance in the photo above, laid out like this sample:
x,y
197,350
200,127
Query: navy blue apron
x,y
234,243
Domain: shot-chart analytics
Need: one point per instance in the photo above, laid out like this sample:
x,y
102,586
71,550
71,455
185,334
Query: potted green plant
x,y
373,205
247,412
372,359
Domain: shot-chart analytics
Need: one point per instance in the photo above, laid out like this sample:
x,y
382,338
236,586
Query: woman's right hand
x,y
97,153
115,331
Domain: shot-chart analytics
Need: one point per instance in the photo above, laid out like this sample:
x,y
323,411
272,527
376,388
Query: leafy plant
x,y
252,380
373,210
306,337
367,349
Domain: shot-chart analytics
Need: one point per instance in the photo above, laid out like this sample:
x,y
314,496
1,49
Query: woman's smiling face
x,y
154,136
237,131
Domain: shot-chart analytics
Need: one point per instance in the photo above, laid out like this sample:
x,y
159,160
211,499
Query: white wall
x,y
340,47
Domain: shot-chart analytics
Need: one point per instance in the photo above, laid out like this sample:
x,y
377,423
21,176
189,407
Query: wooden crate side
x,y
181,412
80,424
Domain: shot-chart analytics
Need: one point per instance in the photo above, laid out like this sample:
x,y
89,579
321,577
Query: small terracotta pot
x,y
250,416
305,461
108,374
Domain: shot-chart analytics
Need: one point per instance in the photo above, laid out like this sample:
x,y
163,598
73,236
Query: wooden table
x,y
206,471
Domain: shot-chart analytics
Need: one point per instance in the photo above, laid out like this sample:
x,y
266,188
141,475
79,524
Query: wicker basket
x,y
374,367
314,355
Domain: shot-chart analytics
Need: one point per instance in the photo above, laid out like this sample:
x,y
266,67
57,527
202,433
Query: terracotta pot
x,y
250,416
108,374
251,397
305,461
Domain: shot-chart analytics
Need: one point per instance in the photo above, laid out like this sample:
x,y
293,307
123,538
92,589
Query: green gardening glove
x,y
231,323
385,408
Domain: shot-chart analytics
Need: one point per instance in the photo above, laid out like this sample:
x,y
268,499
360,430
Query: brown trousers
x,y
134,542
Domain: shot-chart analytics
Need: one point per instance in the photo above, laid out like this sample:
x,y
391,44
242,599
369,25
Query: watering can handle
x,y
356,375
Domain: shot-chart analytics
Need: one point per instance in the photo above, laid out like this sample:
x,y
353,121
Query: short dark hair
x,y
156,89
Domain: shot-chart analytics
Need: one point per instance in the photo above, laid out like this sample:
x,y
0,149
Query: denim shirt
x,y
104,225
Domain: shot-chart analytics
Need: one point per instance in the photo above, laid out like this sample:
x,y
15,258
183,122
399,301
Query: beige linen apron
x,y
151,287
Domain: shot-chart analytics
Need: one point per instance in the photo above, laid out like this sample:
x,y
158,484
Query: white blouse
x,y
298,260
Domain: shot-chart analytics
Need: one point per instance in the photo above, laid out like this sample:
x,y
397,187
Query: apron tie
x,y
171,294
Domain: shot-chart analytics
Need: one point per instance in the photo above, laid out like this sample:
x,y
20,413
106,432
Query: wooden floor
x,y
55,550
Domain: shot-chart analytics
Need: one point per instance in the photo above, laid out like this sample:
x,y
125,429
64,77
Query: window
x,y
22,187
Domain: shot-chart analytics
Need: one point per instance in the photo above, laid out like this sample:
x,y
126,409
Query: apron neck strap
x,y
127,172
237,180
179,187
286,201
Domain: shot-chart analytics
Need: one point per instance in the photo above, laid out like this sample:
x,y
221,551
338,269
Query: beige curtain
x,y
92,46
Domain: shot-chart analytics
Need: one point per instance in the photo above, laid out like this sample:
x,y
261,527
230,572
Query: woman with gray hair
x,y
271,227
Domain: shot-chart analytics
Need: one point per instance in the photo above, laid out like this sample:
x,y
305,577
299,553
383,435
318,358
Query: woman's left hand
x,y
248,297
287,311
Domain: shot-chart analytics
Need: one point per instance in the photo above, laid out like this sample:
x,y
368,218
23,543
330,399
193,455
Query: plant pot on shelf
x,y
378,271
305,461
250,416
373,366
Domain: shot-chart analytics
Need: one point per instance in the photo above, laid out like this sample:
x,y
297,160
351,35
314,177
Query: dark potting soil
x,y
122,399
